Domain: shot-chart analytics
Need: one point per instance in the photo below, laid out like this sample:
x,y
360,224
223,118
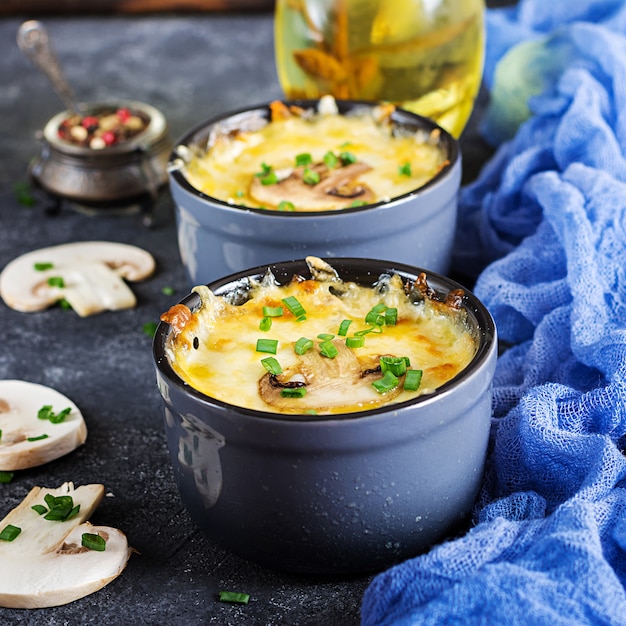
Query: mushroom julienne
x,y
307,160
320,345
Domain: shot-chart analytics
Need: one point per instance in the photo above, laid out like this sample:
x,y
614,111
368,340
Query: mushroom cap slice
x,y
331,384
91,273
20,402
45,565
338,188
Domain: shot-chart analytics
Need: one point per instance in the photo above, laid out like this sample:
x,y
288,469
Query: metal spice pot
x,y
126,176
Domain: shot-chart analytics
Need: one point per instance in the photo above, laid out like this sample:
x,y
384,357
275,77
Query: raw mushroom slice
x,y
20,402
46,565
88,275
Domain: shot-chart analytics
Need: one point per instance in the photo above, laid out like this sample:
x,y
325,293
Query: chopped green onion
x,y
61,508
93,542
395,365
46,413
412,380
293,392
356,203
285,205
272,311
168,291
23,194
328,349
326,336
303,159
355,342
388,382
10,532
294,306
37,438
239,193
330,160
391,316
265,324
347,158
302,318
64,304
6,477
234,596
56,281
39,508
343,328
272,365
267,175
267,345
303,345
310,177
42,267
270,179
404,169
376,315
149,328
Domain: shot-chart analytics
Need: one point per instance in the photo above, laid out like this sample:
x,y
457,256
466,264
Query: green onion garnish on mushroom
x,y
42,267
303,345
355,342
93,542
330,160
10,532
39,508
328,349
347,158
303,159
265,324
310,177
293,392
285,205
272,365
267,345
37,438
56,281
326,336
395,365
388,382
376,315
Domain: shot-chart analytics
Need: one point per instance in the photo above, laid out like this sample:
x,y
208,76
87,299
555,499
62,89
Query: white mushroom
x,y
88,275
45,564
22,441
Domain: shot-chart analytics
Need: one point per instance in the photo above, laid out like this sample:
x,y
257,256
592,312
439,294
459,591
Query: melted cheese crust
x,y
225,364
227,169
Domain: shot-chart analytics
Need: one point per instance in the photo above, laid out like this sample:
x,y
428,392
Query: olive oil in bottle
x,y
423,55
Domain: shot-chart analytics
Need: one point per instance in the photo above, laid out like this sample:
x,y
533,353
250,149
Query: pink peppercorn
x,y
90,122
123,114
109,138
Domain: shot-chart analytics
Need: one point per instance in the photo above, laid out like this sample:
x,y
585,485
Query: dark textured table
x,y
190,67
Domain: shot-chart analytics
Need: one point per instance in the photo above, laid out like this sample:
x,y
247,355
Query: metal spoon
x,y
33,41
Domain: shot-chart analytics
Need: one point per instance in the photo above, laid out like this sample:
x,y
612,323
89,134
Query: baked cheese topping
x,y
316,161
214,348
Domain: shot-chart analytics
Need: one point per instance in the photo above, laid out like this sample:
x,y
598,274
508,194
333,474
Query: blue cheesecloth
x,y
543,230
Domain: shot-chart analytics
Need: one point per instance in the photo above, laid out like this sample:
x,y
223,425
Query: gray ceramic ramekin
x,y
338,493
216,238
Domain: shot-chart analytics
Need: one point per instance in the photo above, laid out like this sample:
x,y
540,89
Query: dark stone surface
x,y
190,67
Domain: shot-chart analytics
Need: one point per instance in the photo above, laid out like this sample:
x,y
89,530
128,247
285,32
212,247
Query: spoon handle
x,y
33,41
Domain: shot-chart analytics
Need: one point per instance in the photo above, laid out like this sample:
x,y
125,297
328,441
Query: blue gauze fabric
x,y
544,230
